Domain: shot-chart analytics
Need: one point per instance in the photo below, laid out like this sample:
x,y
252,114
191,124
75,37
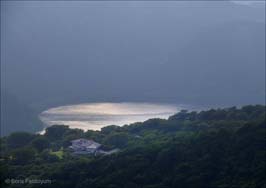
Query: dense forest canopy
x,y
207,149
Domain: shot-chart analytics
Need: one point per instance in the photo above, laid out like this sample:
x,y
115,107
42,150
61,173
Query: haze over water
x,y
94,116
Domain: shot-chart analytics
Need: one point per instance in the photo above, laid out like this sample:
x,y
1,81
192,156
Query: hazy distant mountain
x,y
178,52
16,116
222,65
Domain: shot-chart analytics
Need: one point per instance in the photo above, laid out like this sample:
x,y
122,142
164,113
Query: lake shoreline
x,y
94,116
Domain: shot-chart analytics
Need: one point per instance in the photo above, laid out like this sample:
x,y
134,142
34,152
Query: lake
x,y
94,116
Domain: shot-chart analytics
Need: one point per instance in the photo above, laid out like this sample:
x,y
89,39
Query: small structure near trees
x,y
85,146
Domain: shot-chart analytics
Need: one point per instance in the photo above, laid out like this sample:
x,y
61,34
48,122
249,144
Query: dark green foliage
x,y
209,149
19,139
22,156
46,156
56,132
119,140
40,143
249,112
110,128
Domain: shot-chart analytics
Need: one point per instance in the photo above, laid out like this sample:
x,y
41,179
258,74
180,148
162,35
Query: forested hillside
x,y
218,148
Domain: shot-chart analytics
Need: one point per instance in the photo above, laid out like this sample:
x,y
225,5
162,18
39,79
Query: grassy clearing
x,y
58,153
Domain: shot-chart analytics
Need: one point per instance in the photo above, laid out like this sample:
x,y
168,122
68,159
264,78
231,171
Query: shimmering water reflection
x,y
94,116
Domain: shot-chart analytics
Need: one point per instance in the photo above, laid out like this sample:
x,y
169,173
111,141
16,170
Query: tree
x,y
109,129
117,139
40,143
19,139
22,156
56,132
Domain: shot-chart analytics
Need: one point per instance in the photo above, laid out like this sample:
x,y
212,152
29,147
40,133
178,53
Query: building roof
x,y
82,142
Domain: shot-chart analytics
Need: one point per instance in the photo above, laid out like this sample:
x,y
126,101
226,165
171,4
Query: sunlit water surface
x,y
94,116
